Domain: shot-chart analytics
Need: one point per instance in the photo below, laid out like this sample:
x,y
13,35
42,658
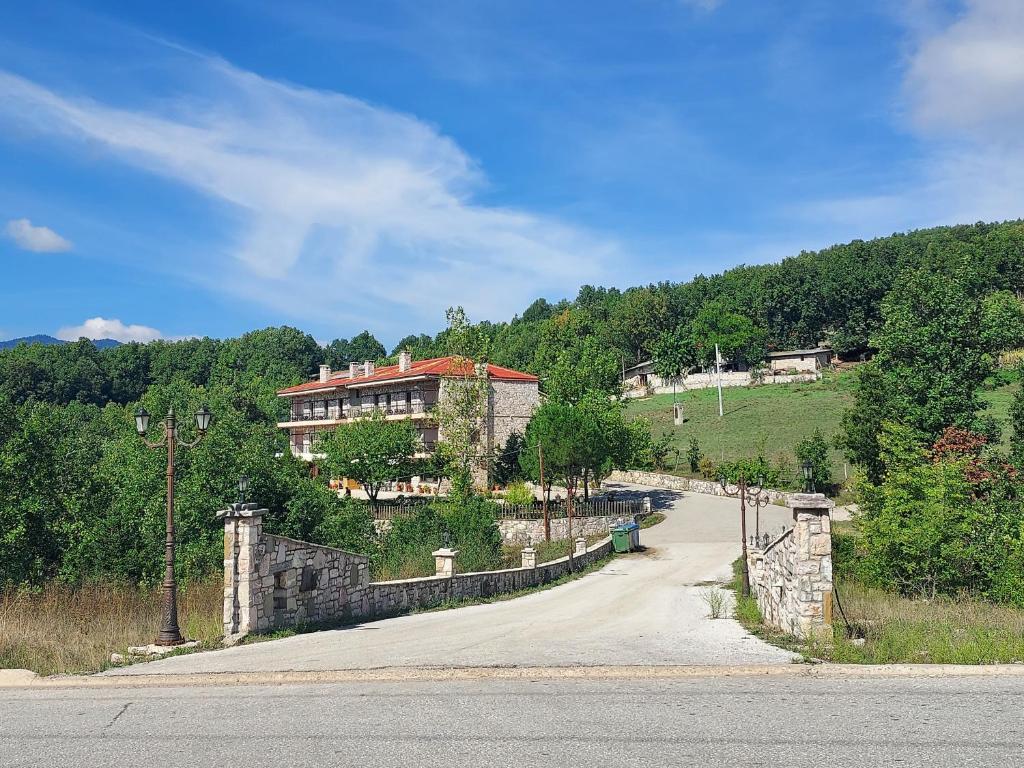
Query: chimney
x,y
368,368
353,370
404,360
325,373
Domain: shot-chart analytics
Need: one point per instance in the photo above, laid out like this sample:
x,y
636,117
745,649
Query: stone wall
x,y
657,386
272,582
674,483
531,531
791,578
386,598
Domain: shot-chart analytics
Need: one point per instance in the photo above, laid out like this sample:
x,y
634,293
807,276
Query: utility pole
x,y
718,369
543,493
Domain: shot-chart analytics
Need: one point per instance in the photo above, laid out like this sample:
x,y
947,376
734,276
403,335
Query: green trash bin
x,y
620,538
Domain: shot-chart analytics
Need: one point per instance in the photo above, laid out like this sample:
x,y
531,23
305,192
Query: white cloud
x,y
346,211
963,92
967,78
36,239
102,328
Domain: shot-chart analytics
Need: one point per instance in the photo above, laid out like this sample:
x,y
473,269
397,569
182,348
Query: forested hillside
x,y
81,496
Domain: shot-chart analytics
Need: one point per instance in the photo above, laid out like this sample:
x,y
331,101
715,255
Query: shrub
x,y
406,548
815,449
708,468
471,524
694,455
518,493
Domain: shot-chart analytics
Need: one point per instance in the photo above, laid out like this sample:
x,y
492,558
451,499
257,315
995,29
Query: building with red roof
x,y
409,390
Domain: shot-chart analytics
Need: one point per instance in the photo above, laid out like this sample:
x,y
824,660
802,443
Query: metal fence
x,y
535,511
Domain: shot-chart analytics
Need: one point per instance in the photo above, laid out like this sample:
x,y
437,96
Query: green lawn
x,y
771,418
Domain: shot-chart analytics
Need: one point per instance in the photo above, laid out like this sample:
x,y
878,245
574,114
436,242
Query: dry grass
x,y
896,629
60,629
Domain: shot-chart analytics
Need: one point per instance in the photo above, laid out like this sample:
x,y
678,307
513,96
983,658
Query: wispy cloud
x,y
345,211
104,328
963,98
34,238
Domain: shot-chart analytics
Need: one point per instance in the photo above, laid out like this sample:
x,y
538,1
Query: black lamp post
x,y
808,471
169,632
752,494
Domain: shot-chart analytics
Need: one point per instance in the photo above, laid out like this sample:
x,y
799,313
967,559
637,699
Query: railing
x,y
535,511
355,411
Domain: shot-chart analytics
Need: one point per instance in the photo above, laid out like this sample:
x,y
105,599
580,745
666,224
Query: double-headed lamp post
x,y
169,632
748,494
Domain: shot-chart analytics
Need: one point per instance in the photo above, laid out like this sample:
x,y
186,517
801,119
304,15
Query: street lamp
x,y
808,471
169,632
243,488
747,494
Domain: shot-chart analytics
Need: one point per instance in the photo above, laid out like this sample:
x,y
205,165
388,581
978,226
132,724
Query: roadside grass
x,y
886,628
651,520
895,629
775,417
65,630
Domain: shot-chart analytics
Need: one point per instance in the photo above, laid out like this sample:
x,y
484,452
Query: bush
x,y
694,455
406,548
518,493
815,449
708,468
471,524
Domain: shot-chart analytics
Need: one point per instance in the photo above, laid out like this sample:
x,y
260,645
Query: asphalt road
x,y
641,609
697,721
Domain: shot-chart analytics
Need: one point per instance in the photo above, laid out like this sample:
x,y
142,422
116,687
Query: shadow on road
x,y
661,498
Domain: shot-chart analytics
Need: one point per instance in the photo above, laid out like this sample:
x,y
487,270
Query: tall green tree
x,y
371,451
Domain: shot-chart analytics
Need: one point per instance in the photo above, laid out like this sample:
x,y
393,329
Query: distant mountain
x,y
42,338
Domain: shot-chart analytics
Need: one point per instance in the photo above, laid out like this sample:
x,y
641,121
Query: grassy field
x,y
59,630
770,419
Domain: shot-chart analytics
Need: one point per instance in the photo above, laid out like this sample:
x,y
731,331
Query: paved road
x,y
704,721
640,609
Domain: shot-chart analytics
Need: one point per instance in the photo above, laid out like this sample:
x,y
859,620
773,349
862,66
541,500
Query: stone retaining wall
x,y
271,582
386,598
675,483
791,578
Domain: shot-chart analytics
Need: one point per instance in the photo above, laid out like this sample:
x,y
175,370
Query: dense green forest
x,y
81,496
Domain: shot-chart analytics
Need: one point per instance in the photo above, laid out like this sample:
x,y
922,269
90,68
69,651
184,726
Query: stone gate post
x,y
243,528
812,565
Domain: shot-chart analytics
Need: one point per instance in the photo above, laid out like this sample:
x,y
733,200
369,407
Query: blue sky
x,y
208,168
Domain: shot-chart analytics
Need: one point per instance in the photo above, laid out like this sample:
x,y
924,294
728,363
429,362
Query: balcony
x,y
334,416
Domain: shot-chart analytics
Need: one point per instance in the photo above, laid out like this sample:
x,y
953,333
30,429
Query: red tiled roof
x,y
437,366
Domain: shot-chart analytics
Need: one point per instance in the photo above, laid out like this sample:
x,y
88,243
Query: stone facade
x,y
674,483
791,578
272,582
511,407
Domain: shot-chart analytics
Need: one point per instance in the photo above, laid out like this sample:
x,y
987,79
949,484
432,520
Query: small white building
x,y
800,360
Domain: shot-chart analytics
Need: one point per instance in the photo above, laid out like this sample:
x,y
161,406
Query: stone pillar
x,y
581,546
811,604
444,561
243,528
529,557
647,505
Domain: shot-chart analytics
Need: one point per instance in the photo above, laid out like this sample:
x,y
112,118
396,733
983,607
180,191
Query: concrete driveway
x,y
641,609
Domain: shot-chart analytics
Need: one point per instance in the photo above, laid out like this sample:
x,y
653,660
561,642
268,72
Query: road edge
x,y
20,678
